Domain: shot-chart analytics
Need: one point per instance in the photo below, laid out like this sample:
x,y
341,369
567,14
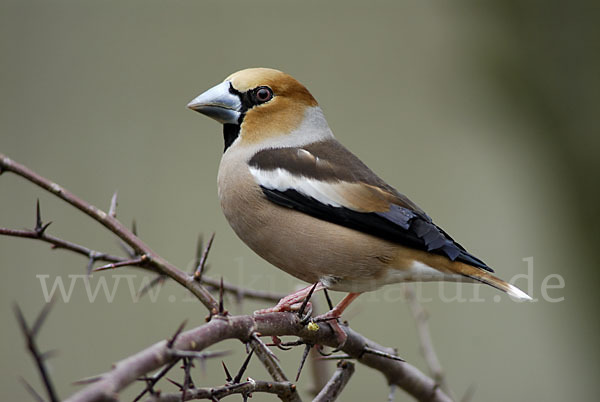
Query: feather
x,y
326,181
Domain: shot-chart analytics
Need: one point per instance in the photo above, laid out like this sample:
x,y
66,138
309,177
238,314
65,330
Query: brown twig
x,y
116,227
60,243
431,359
336,384
94,255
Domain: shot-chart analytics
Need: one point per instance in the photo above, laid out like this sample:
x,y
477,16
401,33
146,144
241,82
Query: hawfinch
x,y
307,205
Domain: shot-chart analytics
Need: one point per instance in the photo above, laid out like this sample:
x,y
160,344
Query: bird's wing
x,y
328,182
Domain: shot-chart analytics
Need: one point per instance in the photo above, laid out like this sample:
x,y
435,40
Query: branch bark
x,y
128,370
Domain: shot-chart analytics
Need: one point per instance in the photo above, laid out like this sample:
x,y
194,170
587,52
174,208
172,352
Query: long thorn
x,y
202,262
38,216
367,349
87,380
40,228
240,373
173,338
159,279
178,385
329,303
304,356
336,357
227,374
306,300
198,255
221,292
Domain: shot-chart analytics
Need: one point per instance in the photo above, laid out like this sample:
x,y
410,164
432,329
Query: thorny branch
x,y
282,389
115,226
58,243
186,346
127,371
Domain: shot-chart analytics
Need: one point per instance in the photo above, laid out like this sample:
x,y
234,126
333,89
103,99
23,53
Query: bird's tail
x,y
489,279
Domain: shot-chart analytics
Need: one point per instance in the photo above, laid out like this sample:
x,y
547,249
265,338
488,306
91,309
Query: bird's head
x,y
260,105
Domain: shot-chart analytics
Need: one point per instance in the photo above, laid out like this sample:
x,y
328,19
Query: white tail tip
x,y
518,293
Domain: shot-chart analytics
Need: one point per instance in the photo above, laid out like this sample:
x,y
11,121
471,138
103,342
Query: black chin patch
x,y
230,133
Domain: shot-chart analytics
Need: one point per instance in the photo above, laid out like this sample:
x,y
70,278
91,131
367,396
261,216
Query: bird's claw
x,y
288,303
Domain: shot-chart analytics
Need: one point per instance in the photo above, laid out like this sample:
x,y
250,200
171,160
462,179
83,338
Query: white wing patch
x,y
418,271
281,180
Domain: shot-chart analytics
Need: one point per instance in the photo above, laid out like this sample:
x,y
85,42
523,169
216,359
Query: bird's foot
x,y
285,305
293,302
332,318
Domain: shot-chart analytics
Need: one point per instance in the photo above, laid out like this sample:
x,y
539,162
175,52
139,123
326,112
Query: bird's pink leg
x,y
293,301
332,317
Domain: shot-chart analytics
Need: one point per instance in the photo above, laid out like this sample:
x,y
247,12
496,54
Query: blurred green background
x,y
484,113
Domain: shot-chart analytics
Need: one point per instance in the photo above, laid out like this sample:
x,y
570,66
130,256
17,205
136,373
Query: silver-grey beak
x,y
219,104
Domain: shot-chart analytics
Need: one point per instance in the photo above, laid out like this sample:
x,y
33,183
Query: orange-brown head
x,y
257,104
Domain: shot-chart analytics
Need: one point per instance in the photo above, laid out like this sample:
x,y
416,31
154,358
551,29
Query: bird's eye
x,y
263,94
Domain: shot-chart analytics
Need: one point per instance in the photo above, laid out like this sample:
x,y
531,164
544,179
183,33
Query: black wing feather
x,y
400,225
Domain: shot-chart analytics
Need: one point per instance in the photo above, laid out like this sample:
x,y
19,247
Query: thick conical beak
x,y
218,103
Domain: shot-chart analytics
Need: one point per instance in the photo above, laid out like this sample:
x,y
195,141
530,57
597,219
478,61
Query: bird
x,y
306,204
